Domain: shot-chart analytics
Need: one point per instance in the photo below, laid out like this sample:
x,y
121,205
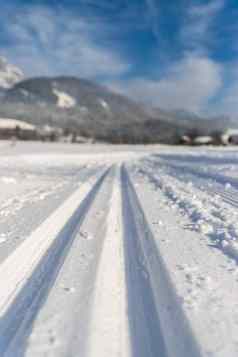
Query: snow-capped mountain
x,y
94,111
9,74
86,107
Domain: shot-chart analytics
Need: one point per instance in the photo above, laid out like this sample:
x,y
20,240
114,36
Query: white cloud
x,y
153,9
209,9
229,103
194,80
189,84
197,32
227,100
46,41
53,42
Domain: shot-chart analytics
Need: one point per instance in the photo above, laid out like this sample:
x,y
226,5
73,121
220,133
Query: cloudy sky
x,y
168,53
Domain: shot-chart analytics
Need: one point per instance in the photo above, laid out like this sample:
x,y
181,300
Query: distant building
x,y
185,140
196,140
77,139
230,137
203,140
19,129
82,140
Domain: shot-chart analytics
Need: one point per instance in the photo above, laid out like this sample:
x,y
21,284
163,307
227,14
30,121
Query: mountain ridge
x,y
93,110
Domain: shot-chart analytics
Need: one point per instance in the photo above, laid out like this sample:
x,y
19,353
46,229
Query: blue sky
x,y
168,53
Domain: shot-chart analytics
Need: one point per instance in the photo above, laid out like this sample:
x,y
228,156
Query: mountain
x,y
9,74
76,104
69,93
94,111
193,123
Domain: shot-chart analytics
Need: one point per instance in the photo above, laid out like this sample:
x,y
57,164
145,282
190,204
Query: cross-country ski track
x,y
138,259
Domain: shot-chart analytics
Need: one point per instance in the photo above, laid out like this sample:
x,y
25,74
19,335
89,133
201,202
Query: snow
x,y
203,140
118,251
64,100
104,104
83,109
6,123
24,92
33,261
110,291
9,74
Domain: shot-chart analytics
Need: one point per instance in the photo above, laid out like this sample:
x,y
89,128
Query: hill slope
x,y
84,106
94,111
193,123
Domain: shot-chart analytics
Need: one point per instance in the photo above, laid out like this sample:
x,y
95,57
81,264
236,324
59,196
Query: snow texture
x,y
130,251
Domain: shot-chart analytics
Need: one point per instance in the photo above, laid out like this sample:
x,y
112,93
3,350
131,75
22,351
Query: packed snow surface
x,y
118,251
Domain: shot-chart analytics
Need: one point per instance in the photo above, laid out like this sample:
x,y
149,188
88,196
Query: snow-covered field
x,y
118,251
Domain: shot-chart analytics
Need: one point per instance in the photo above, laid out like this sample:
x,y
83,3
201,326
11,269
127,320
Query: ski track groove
x,y
25,289
133,309
168,333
